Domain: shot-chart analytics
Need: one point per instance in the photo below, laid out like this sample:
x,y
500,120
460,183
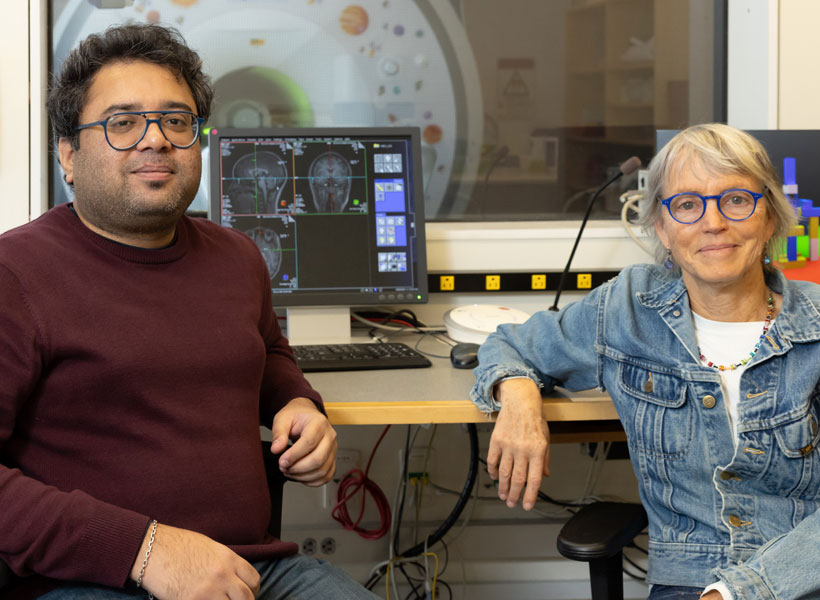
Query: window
x,y
523,105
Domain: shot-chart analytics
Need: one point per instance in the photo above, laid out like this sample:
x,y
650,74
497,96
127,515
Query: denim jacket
x,y
745,514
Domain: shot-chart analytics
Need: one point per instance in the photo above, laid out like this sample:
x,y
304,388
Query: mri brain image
x,y
260,178
267,240
330,182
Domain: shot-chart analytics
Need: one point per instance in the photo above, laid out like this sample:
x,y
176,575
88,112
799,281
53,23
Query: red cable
x,y
353,481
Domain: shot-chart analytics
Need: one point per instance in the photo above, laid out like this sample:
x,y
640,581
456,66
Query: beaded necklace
x,y
732,367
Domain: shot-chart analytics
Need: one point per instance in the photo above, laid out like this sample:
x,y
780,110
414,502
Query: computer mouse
x,y
464,355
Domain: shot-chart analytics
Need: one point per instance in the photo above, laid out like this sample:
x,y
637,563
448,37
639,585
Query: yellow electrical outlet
x,y
584,281
447,283
539,282
492,282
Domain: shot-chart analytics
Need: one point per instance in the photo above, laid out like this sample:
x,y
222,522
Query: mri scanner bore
x,y
334,63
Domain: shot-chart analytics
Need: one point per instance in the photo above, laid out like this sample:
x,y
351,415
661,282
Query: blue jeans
x,y
295,578
674,592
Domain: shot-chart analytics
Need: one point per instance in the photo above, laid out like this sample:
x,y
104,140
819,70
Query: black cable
x,y
449,589
413,587
633,575
446,557
451,519
634,564
546,498
447,524
638,548
400,511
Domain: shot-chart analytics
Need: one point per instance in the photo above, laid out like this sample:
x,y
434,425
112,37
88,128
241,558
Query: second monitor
x,y
338,214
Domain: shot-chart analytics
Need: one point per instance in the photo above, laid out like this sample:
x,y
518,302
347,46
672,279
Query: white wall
x,y
14,116
799,89
752,63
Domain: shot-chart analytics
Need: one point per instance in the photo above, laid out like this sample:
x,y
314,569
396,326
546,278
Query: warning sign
x,y
516,82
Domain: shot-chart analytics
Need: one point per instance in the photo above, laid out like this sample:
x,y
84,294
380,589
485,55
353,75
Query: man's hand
x,y
312,457
187,565
519,447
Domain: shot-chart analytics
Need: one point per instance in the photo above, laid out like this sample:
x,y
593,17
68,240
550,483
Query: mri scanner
x,y
323,63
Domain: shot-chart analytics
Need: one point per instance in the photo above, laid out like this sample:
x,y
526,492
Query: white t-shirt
x,y
725,344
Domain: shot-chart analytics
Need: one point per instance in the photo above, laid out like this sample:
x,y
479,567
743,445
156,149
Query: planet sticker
x,y
354,20
432,134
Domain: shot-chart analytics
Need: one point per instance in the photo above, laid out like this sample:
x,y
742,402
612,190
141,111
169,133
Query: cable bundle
x,y
353,481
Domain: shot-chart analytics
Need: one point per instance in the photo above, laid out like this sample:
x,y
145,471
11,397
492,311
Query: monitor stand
x,y
319,325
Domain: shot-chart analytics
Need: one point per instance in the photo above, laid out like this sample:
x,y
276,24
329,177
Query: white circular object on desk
x,y
474,322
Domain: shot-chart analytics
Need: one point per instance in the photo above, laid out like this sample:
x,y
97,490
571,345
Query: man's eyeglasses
x,y
734,204
125,130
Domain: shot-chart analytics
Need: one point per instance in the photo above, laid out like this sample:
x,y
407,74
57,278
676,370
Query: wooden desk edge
x,y
458,411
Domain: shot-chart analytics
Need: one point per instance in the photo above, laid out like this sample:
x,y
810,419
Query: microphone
x,y
627,167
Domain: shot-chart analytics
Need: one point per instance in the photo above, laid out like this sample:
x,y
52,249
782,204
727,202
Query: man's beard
x,y
122,210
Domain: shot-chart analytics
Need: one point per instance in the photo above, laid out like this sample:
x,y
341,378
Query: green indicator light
x,y
418,297
206,130
355,202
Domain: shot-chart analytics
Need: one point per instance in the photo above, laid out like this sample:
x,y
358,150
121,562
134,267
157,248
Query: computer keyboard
x,y
352,357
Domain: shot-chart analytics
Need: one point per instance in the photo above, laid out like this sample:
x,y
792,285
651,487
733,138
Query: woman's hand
x,y
519,446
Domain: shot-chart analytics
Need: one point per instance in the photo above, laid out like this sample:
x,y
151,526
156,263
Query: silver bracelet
x,y
147,556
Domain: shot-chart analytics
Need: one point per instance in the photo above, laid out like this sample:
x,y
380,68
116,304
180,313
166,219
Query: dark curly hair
x,y
155,44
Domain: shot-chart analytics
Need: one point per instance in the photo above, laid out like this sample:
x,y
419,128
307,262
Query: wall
x,y
799,49
14,116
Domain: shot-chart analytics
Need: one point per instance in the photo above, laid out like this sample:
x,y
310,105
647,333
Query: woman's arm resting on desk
x,y
549,347
519,446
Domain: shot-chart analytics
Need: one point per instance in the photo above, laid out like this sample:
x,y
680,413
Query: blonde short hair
x,y
720,150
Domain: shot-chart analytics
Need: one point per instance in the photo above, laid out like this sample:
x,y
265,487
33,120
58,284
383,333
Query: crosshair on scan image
x,y
333,213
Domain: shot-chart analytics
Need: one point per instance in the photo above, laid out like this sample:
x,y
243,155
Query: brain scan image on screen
x,y
267,240
330,179
256,184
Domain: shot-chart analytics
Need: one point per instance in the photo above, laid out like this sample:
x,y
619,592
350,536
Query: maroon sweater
x,y
132,384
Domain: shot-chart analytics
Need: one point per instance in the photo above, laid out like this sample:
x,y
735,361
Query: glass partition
x,y
524,106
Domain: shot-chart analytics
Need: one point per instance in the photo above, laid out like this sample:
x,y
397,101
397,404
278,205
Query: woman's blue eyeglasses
x,y
689,207
125,130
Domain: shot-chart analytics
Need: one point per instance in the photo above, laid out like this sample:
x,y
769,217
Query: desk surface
x,y
439,394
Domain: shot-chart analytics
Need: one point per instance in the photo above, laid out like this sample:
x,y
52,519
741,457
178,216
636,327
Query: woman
x,y
712,361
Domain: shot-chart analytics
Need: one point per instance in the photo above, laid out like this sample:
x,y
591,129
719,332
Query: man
x,y
139,351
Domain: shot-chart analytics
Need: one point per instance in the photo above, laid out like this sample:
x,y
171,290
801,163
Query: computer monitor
x,y
801,144
338,215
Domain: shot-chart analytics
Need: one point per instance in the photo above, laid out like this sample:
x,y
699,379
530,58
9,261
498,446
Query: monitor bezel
x,y
342,297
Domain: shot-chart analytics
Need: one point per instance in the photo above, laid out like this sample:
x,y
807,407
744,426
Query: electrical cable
x,y
634,564
630,199
638,548
419,328
400,510
439,533
377,573
546,498
353,481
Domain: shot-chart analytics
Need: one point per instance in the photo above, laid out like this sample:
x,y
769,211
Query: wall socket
x,y
328,545
309,546
643,179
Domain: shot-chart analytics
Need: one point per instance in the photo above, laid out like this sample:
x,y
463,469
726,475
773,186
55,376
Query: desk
x,y
440,394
